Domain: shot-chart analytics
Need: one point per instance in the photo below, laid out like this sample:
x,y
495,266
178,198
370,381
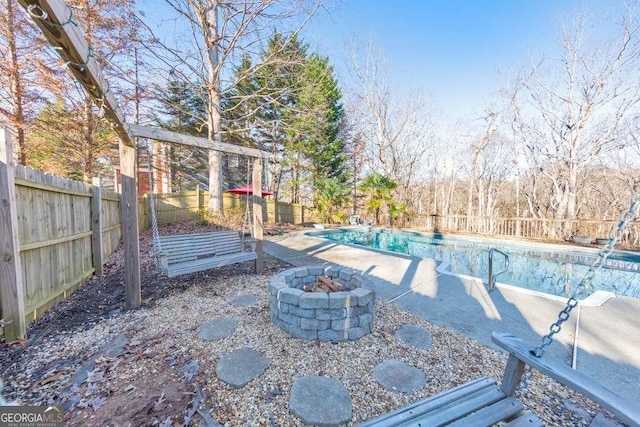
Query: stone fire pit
x,y
316,314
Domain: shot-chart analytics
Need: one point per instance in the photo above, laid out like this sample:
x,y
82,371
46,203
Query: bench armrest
x,y
162,260
626,410
249,244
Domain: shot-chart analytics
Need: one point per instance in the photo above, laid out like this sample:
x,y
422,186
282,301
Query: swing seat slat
x,y
483,403
477,403
191,253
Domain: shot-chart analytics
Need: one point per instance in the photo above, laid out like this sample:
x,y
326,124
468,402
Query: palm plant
x,y
332,195
378,187
396,211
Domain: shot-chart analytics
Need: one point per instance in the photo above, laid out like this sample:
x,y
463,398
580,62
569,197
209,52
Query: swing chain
x,y
154,219
627,216
615,236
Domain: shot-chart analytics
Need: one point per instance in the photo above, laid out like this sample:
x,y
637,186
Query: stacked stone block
x,y
334,316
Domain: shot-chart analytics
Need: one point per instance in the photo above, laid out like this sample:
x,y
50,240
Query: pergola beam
x,y
55,19
195,141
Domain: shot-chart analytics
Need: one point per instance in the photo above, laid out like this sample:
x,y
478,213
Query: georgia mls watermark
x,y
31,416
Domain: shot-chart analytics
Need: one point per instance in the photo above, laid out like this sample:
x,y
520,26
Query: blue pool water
x,y
553,269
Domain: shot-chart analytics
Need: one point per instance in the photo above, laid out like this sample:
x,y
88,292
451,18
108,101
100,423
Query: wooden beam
x,y
51,242
96,225
195,141
130,231
55,19
258,226
11,286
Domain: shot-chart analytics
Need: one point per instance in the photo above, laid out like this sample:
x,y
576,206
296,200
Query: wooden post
x,y
512,374
130,230
96,225
11,286
258,226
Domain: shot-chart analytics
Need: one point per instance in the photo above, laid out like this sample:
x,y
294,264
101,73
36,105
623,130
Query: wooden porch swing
x,y
483,402
181,254
480,402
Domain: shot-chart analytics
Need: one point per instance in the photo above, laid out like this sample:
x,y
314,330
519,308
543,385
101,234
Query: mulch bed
x,y
102,297
108,366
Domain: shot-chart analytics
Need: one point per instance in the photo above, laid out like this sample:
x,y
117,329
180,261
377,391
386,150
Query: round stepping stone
x,y
218,329
240,367
245,300
320,401
399,377
414,336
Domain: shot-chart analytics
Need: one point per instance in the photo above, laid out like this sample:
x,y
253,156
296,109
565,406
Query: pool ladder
x,y
493,277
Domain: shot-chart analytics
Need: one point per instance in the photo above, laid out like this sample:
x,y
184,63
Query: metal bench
x,y
483,403
190,253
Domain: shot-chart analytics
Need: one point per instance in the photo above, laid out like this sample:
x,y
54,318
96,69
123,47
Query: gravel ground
x,y
146,382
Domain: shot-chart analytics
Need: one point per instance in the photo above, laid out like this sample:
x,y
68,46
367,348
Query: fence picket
x,y
54,230
531,228
11,278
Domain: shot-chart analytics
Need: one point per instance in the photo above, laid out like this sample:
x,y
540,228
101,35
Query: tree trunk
x,y
470,198
17,92
214,119
434,206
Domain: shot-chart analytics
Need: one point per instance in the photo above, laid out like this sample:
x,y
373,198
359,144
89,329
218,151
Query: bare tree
x,y
27,74
222,33
397,130
477,148
576,109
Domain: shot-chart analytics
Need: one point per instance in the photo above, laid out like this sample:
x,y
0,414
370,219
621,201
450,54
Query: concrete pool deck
x,y
608,339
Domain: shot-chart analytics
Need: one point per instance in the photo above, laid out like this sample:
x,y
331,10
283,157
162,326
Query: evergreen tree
x,y
277,84
182,111
320,119
289,104
240,106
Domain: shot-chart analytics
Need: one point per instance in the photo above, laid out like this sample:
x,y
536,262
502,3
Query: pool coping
x,y
559,250
608,354
595,299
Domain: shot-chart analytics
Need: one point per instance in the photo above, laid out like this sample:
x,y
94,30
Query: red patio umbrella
x,y
248,190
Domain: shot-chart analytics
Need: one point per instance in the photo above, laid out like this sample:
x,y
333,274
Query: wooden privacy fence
x,y
529,228
55,233
61,231
185,206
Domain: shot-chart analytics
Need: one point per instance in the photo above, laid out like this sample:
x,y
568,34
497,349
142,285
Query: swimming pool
x,y
543,267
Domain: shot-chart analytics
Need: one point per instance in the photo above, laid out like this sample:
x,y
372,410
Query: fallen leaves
x,y
52,378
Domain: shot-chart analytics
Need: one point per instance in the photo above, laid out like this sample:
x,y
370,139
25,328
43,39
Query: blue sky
x,y
450,49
